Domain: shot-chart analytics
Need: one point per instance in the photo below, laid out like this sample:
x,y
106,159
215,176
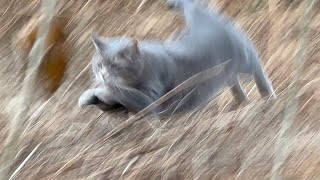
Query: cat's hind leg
x,y
263,83
237,91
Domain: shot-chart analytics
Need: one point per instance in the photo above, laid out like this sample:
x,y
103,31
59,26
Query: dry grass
x,y
218,142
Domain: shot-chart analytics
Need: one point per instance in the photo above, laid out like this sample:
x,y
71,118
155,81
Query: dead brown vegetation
x,y
218,142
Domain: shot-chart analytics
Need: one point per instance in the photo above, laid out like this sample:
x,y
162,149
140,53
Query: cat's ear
x,y
132,48
98,43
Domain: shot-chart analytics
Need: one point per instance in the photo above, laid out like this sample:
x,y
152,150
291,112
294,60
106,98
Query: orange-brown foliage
x,y
54,60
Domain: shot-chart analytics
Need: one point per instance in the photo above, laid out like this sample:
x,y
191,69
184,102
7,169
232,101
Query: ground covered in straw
x,y
218,142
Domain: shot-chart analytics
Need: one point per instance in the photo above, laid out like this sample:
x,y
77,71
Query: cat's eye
x,y
122,54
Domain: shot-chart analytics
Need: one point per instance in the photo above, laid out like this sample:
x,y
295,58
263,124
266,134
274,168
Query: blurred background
x,y
258,140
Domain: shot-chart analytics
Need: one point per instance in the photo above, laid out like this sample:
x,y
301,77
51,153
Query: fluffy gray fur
x,y
136,74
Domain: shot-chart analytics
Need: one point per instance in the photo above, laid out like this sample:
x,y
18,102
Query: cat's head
x,y
117,59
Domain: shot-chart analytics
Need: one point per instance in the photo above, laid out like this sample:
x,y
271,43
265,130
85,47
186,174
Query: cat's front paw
x,y
88,98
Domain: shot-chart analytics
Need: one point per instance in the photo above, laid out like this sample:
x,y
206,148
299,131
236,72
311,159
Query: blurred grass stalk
x,y
285,136
27,92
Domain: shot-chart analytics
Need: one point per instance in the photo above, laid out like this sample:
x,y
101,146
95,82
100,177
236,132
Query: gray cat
x,y
136,74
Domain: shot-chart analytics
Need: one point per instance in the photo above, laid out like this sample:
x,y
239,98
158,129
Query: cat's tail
x,y
178,4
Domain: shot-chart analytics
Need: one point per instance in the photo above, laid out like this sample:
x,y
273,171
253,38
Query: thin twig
x,y
24,162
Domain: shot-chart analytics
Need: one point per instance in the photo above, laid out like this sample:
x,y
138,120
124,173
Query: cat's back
x,y
155,52
153,47
159,62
